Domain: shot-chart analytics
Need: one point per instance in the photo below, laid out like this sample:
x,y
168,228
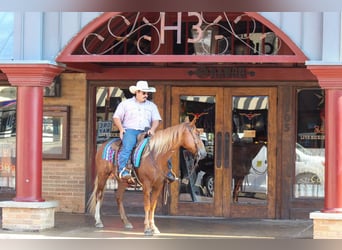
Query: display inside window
x,y
310,146
7,137
56,132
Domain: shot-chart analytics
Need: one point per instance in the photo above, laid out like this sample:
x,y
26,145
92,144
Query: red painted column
x,y
330,79
29,144
333,151
30,80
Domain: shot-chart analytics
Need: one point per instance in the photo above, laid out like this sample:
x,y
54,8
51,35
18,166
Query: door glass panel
x,y
197,184
249,149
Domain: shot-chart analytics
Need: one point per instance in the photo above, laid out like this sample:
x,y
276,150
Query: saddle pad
x,y
138,152
108,152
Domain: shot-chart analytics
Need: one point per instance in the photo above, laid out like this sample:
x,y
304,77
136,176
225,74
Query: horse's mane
x,y
163,140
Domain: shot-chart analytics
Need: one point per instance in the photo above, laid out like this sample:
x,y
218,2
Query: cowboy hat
x,y
142,86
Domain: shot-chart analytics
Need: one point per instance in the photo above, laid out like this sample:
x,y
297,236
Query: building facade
x,y
259,78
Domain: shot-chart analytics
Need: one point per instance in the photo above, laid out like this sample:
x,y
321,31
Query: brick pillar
x,y
330,79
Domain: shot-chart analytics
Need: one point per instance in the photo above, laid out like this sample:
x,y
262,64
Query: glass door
x,y
234,179
196,193
252,147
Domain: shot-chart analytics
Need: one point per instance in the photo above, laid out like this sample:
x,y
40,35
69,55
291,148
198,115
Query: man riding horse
x,y
132,117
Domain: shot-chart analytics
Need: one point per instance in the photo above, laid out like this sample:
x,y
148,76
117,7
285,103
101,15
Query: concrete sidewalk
x,y
81,226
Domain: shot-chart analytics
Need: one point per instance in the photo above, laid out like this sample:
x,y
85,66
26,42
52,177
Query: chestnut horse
x,y
151,173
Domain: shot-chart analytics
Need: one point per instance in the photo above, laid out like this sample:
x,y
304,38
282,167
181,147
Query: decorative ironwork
x,y
209,34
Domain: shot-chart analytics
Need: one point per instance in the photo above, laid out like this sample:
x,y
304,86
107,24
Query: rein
x,y
197,156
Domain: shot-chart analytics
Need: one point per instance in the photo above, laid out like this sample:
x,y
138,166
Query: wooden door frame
x,y
256,210
180,208
220,206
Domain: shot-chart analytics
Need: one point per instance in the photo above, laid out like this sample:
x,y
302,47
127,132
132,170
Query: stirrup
x,y
171,177
125,169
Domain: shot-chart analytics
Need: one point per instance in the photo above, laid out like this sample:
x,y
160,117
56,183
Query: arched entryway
x,y
201,62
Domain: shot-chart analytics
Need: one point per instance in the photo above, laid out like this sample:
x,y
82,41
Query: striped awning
x,y
205,99
250,102
106,92
239,102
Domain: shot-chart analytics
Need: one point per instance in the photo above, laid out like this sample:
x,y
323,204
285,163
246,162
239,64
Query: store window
x,y
310,146
7,137
55,135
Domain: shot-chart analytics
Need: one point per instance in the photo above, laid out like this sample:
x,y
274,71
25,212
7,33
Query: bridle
x,y
196,141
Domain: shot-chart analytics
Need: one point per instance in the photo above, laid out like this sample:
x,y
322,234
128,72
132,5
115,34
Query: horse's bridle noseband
x,y
195,138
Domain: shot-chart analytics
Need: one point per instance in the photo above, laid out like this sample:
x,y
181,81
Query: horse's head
x,y
192,141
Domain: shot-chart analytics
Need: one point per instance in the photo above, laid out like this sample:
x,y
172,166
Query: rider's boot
x,y
170,176
125,173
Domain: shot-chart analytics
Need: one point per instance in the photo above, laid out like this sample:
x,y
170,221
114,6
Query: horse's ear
x,y
187,119
193,122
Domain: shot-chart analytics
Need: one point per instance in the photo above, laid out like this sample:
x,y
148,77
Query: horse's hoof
x,y
128,226
156,231
99,225
148,232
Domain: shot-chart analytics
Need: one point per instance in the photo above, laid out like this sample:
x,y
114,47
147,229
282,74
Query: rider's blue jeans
x,y
128,142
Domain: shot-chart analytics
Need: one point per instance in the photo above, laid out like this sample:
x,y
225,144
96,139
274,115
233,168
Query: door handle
x,y
226,149
218,149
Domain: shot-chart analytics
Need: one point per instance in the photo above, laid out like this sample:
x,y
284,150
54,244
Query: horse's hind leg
x,y
98,221
102,179
119,200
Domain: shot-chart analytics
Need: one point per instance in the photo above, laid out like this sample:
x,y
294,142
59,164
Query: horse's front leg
x,y
119,200
154,201
238,183
148,231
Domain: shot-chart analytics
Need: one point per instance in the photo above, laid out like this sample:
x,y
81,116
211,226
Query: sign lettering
x,y
221,72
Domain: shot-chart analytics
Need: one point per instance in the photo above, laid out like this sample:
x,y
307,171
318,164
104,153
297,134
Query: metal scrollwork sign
x,y
140,29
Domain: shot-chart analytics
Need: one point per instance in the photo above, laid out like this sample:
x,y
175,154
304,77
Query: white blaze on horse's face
x,y
201,151
195,144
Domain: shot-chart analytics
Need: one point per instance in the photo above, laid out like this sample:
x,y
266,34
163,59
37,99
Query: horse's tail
x,y
91,204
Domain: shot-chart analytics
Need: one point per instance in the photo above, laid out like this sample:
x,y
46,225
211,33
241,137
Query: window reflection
x,y
310,146
56,132
249,149
198,185
52,135
7,136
